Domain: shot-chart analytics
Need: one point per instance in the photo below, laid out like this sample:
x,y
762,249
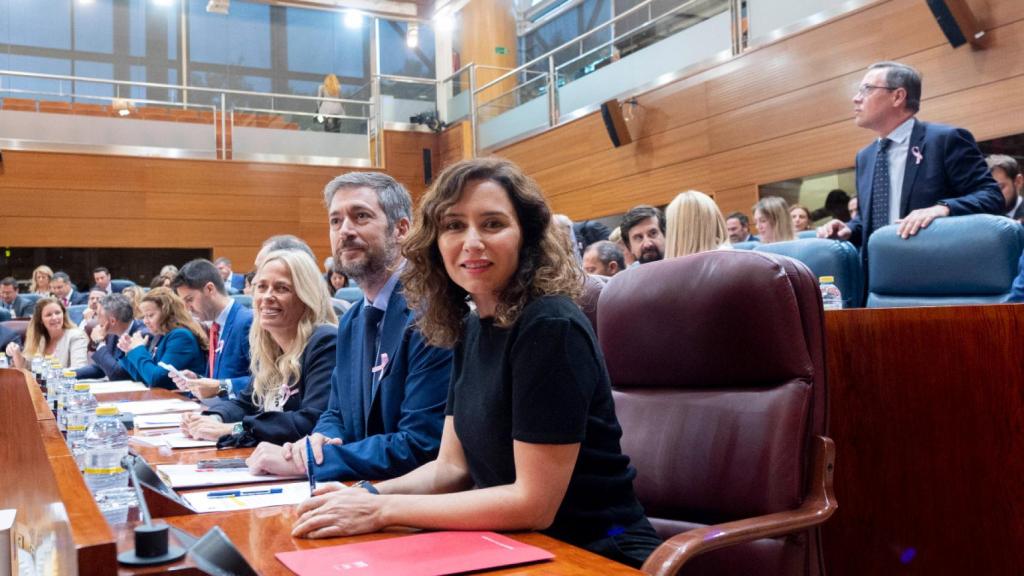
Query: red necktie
x,y
214,332
64,301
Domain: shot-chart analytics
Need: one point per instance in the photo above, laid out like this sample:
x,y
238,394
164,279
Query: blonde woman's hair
x,y
776,211
272,368
695,224
134,295
45,270
332,87
37,337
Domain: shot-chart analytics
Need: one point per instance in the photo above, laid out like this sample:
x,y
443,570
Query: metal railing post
x,y
375,97
224,126
473,119
553,114
736,11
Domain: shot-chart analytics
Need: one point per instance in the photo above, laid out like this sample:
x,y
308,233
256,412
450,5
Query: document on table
x,y
174,439
117,386
158,420
250,497
427,554
188,476
158,406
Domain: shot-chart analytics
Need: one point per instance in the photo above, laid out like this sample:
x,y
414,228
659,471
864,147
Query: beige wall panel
x,y
579,138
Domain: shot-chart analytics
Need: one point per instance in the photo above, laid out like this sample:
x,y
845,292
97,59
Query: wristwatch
x,y
368,486
223,387
237,429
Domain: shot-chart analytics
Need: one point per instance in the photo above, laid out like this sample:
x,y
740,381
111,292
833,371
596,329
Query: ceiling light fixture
x,y
412,35
353,19
218,6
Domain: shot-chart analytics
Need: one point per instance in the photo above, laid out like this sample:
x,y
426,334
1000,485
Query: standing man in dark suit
x,y
115,317
18,305
199,284
64,290
389,388
915,171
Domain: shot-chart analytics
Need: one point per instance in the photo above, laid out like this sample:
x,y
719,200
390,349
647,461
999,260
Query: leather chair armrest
x,y
819,505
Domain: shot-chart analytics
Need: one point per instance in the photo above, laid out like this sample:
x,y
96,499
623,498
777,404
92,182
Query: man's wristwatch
x,y
237,429
367,485
223,387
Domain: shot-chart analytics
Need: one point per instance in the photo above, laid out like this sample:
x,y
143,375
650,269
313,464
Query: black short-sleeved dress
x,y
543,381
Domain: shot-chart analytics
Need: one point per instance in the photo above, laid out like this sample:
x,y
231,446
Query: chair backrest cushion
x,y
961,260
840,260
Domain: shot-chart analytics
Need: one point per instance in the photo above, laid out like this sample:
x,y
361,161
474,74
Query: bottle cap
x,y
107,410
69,373
81,387
826,279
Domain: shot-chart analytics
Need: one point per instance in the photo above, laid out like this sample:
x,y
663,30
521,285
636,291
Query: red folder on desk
x,y
428,554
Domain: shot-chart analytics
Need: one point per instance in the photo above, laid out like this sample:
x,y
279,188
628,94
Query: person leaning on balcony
x,y
331,88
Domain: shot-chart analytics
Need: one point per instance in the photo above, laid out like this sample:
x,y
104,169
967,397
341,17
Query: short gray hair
x,y
118,307
61,276
286,242
899,75
608,252
394,199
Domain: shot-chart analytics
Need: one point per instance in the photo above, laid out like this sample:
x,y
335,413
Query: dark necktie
x,y
371,322
880,187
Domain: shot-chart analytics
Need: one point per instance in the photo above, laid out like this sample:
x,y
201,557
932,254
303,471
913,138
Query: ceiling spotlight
x,y
412,35
218,6
163,2
444,22
353,19
85,2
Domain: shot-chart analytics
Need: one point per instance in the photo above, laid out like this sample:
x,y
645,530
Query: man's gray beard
x,y
373,267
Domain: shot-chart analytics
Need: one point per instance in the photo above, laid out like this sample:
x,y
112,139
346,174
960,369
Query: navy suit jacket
x,y
951,168
403,430
77,297
106,358
238,282
179,348
232,361
299,414
7,336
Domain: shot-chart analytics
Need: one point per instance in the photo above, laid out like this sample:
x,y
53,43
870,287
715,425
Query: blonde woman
x,y
771,216
292,342
51,333
695,224
331,88
134,294
41,277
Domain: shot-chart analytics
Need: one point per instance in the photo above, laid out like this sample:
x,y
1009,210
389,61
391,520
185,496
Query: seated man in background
x,y
200,285
643,231
1006,172
234,283
64,290
92,306
115,317
604,259
10,300
738,226
101,276
388,388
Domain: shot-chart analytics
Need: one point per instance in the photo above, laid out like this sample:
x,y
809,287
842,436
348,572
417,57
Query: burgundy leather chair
x,y
592,286
718,371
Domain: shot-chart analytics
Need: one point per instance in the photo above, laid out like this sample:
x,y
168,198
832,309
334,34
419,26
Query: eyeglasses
x,y
866,89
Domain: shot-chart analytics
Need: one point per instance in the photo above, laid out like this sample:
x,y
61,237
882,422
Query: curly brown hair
x,y
545,265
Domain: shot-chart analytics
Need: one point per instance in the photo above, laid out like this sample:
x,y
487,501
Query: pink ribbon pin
x,y
918,157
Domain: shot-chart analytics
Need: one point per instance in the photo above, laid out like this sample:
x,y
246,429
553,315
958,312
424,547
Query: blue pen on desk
x,y
237,493
309,467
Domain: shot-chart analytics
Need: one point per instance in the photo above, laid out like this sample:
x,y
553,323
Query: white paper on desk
x,y
158,406
187,476
158,420
173,440
117,386
292,493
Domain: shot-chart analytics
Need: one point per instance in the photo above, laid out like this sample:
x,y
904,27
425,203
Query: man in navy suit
x,y
199,284
64,290
18,305
915,171
388,393
235,283
115,317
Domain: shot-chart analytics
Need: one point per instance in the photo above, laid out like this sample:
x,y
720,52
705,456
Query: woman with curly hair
x,y
181,341
530,440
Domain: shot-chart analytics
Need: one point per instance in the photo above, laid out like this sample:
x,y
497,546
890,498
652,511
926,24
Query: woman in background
x,y
41,277
134,294
801,218
694,224
331,88
293,336
51,333
771,216
181,341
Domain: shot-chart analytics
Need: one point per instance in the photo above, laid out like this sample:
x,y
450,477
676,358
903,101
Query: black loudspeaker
x,y
956,21
428,171
615,124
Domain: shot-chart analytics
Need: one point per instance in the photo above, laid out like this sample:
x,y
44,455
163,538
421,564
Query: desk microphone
x,y
151,541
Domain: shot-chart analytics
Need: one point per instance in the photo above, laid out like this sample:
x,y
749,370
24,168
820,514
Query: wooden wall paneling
x,y
455,143
739,199
927,416
404,158
38,231
234,208
579,138
485,26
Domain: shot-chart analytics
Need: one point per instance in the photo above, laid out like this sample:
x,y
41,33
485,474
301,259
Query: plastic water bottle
x,y
79,414
106,442
831,298
65,386
3,361
37,368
